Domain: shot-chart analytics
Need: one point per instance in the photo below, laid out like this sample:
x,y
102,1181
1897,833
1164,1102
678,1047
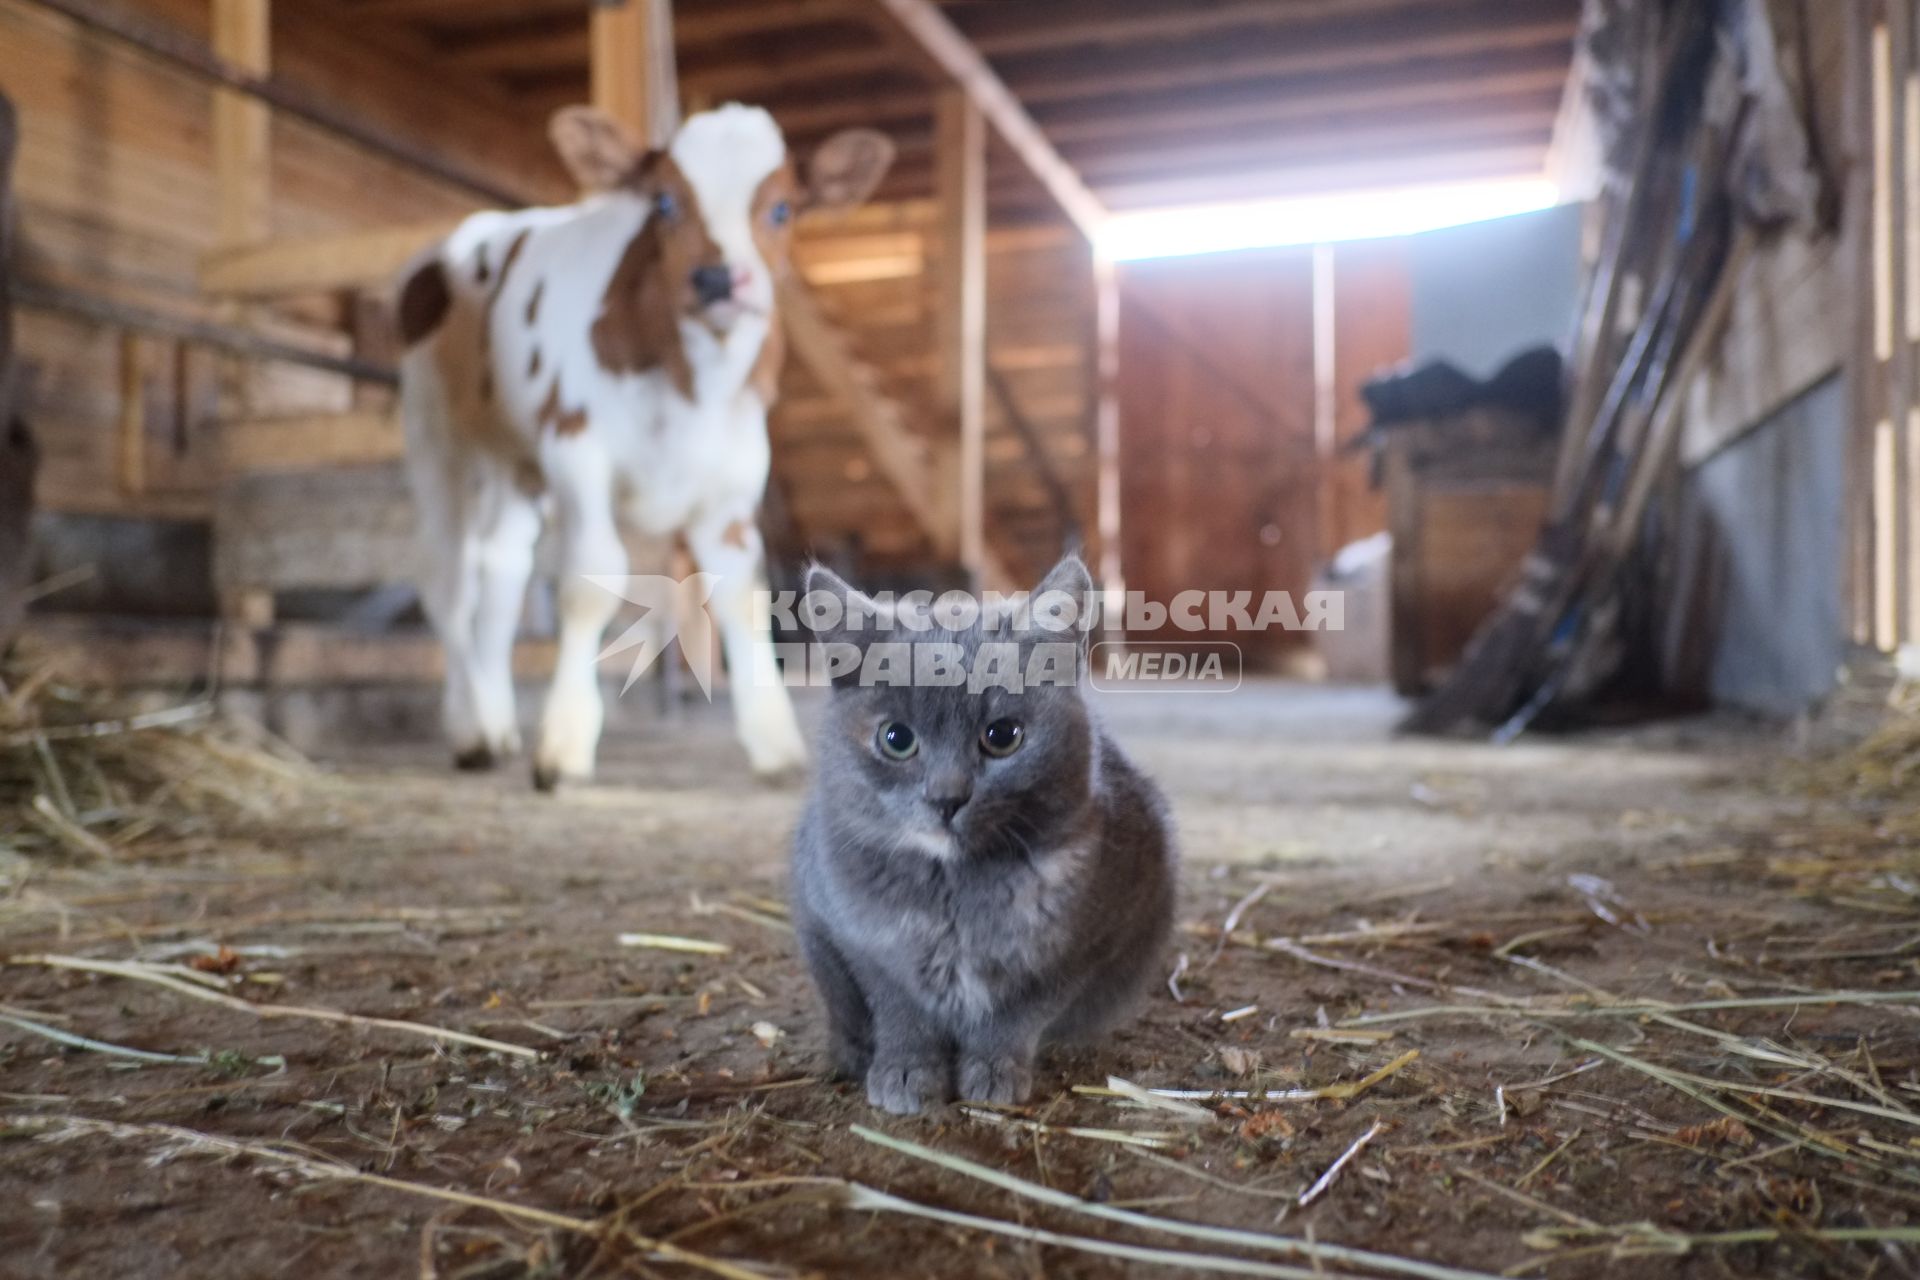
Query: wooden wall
x,y
1224,486
116,198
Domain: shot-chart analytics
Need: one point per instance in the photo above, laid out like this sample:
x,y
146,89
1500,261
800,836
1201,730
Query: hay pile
x,y
91,775
1885,765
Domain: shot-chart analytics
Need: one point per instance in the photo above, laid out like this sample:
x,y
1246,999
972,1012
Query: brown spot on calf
x,y
424,302
557,419
736,535
533,303
638,328
514,246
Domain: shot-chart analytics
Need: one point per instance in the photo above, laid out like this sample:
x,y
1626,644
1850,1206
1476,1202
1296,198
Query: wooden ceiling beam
x,y
697,23
561,57
1436,87
469,12
1357,139
1024,29
1415,83
1442,34
921,23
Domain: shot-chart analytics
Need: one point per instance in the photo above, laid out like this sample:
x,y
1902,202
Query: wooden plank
x,y
1900,369
632,65
123,654
1106,422
922,22
490,39
345,529
960,317
243,36
19,460
1525,86
131,436
1863,411
1017,29
319,264
242,157
361,438
1428,32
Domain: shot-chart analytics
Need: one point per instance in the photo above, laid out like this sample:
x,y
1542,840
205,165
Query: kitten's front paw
x,y
1004,1080
907,1088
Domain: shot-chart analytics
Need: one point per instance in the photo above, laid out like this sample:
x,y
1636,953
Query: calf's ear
x,y
847,168
595,147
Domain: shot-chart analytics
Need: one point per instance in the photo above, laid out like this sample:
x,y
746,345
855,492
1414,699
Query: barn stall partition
x,y
217,340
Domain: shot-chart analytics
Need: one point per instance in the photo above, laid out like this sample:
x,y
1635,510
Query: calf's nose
x,y
713,283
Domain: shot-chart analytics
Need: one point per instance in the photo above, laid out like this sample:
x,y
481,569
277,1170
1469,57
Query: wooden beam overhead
x,y
1438,35
1008,30
1375,142
1452,84
464,12
1205,97
922,23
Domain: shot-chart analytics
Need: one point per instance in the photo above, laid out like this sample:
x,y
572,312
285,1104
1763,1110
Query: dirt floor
x,y
1456,964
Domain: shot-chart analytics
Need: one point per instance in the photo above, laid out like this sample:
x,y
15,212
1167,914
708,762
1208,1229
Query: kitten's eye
x,y
781,213
897,742
667,205
1002,737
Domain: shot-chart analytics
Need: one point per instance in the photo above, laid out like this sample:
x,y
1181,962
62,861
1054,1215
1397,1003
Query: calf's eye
x,y
1002,737
897,741
781,213
667,205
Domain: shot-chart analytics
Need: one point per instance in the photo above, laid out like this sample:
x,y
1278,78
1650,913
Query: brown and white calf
x,y
610,361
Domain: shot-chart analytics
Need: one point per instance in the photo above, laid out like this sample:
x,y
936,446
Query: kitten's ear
x,y
1070,576
1064,602
837,613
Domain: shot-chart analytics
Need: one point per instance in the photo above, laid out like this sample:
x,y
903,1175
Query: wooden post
x,y
960,314
1326,400
634,76
1863,363
243,189
1900,400
132,443
242,126
19,460
1106,427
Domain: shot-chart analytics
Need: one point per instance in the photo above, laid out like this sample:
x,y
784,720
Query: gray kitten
x,y
977,873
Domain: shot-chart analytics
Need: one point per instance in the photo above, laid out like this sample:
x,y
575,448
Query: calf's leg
x,y
727,545
589,545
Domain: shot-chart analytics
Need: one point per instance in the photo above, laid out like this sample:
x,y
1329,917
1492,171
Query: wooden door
x,y
1222,488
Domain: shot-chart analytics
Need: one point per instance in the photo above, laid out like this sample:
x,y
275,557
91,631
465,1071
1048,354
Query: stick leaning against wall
x,y
18,457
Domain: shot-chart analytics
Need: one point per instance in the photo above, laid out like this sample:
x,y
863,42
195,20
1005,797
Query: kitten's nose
x,y
950,800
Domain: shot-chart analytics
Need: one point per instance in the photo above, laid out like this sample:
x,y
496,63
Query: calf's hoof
x,y
475,759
